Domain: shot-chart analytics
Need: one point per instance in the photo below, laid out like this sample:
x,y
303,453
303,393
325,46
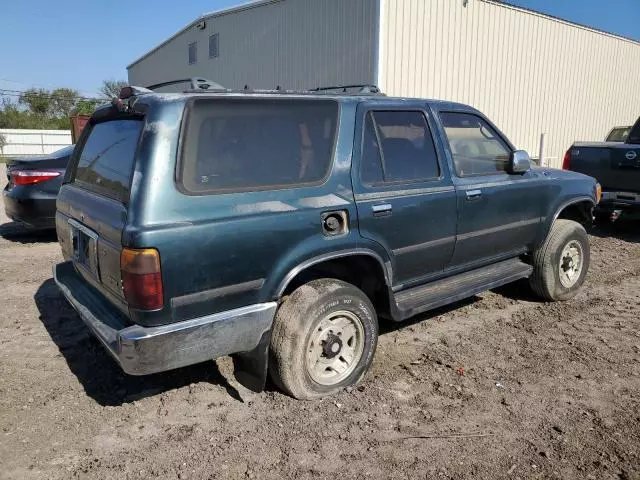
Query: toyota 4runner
x,y
279,226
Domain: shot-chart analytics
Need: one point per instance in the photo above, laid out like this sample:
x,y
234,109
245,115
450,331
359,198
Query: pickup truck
x,y
280,226
616,166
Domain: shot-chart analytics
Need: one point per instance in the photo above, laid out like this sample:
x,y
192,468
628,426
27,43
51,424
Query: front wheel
x,y
324,337
560,265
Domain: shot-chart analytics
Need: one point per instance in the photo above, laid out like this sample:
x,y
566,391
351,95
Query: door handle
x,y
473,194
381,210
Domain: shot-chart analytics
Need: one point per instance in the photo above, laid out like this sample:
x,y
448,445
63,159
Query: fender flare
x,y
565,204
386,266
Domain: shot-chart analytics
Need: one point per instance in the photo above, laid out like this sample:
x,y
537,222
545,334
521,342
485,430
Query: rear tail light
x,y
141,278
566,163
32,177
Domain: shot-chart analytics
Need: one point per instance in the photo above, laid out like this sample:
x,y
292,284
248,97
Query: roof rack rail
x,y
363,89
197,83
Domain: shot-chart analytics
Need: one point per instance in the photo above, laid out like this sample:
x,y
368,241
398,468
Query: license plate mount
x,y
84,242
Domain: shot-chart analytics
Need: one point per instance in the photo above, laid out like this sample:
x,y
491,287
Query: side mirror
x,y
519,162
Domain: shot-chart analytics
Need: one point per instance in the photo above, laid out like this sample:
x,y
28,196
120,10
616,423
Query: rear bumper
x,y
144,350
33,212
619,201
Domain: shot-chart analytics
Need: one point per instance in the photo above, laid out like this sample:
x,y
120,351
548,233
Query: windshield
x,y
618,134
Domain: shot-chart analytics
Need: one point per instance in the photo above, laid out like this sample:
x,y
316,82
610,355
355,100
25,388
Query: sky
x,y
80,43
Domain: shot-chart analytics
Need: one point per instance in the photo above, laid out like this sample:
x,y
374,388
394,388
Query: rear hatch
x,y
616,166
92,204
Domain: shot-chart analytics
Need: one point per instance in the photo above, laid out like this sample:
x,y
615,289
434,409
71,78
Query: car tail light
x,y
32,177
566,163
141,278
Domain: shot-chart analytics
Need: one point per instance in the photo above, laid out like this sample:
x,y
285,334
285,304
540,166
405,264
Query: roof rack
x,y
203,85
363,89
197,83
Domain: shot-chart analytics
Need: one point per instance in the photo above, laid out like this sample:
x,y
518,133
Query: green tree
x,y
111,88
85,106
38,101
63,102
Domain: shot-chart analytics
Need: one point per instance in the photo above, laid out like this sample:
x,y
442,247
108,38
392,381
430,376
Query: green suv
x,y
279,227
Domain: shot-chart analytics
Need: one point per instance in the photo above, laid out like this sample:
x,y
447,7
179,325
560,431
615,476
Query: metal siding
x,y
292,43
528,72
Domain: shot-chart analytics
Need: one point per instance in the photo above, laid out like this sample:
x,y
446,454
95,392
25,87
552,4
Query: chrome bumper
x,y
144,350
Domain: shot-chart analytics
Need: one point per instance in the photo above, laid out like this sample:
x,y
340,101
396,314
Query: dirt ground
x,y
499,386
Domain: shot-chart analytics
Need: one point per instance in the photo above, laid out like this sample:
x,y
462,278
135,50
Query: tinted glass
x,y
213,45
618,134
371,162
476,147
257,144
406,152
106,162
193,53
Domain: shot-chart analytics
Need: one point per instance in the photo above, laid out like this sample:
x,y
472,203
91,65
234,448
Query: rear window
x,y
618,134
240,145
105,165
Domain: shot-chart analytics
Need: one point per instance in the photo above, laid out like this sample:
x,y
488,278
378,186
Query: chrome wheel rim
x,y
334,348
571,262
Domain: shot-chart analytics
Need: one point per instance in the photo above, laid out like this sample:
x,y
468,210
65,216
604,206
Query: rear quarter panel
x,y
224,251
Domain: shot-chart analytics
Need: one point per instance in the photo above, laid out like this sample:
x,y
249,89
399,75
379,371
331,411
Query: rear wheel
x,y
324,337
560,265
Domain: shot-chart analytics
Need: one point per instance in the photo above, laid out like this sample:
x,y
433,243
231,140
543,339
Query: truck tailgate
x,y
615,165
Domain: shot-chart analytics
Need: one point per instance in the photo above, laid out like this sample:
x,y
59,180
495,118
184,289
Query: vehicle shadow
x,y
623,229
97,372
16,232
389,326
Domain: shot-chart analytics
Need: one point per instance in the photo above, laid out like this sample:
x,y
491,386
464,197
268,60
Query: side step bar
x,y
419,299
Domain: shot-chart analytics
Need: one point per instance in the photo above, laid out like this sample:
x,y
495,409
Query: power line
x,y
42,85
48,95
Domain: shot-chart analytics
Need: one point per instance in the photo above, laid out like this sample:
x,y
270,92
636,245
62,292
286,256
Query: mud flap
x,y
250,368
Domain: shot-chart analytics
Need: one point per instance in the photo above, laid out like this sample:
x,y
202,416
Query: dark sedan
x,y
30,195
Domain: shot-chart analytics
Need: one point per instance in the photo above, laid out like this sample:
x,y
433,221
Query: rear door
x,y
92,206
404,194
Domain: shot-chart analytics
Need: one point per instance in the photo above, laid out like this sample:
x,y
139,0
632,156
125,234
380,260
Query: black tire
x,y
300,316
546,281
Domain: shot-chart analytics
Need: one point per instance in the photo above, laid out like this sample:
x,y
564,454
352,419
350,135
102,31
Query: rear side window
x,y
105,165
240,145
397,146
476,147
618,134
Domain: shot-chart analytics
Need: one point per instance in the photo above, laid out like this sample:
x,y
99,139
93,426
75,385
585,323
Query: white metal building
x,y
529,72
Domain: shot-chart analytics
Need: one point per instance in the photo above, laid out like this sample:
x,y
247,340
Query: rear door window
x,y
105,165
397,148
243,145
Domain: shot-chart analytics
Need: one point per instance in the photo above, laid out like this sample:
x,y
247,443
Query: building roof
x,y
508,4
259,3
205,16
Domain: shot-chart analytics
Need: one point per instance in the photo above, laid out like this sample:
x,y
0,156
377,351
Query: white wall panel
x,y
528,72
